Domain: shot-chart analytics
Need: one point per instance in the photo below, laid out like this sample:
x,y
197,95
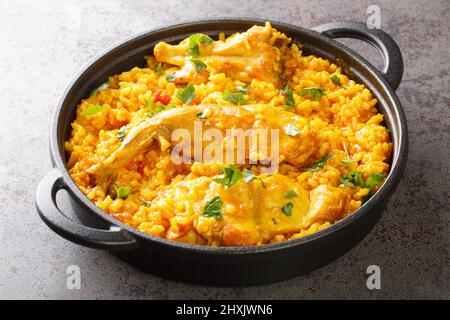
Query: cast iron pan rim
x,y
397,167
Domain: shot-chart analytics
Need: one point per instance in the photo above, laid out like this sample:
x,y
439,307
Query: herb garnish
x,y
213,208
171,77
242,89
98,89
291,130
347,162
121,133
354,179
374,179
199,65
195,40
187,94
287,208
249,175
158,68
236,98
91,110
230,176
319,164
290,194
123,192
335,79
200,115
290,102
315,92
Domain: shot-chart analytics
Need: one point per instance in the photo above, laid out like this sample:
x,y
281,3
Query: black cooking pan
x,y
226,265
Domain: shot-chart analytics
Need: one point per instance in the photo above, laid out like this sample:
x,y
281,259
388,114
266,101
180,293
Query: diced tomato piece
x,y
164,99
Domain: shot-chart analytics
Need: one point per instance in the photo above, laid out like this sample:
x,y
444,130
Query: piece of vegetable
x,y
290,102
249,175
213,208
230,176
200,115
236,98
98,89
287,208
123,192
291,130
291,194
171,77
158,68
91,110
315,92
199,65
187,94
352,179
163,98
347,162
121,133
195,40
335,79
319,164
374,179
242,89
159,107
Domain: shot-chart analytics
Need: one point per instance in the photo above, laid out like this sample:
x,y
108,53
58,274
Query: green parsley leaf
x,y
249,175
374,179
171,77
242,89
187,94
200,115
335,79
287,208
121,133
195,40
319,164
98,89
347,162
290,102
158,68
291,130
230,176
123,192
91,110
159,107
315,92
213,208
236,98
108,188
352,179
290,194
199,65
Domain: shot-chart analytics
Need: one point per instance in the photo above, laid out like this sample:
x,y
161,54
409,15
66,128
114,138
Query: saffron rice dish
x,y
332,150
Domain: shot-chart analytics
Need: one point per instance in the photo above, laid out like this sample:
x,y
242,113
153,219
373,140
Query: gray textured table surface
x,y
44,43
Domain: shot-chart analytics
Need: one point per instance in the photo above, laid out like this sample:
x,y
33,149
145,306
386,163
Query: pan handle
x,y
71,230
393,61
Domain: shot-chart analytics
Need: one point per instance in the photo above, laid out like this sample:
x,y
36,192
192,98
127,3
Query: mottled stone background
x,y
44,43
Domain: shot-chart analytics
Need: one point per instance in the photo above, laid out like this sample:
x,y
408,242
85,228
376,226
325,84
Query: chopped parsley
x,y
200,115
374,179
352,179
291,194
335,79
199,65
123,192
121,133
195,40
236,98
91,110
187,94
171,77
347,162
242,89
291,130
213,208
249,175
98,89
315,92
158,68
290,102
151,110
230,176
287,208
319,164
